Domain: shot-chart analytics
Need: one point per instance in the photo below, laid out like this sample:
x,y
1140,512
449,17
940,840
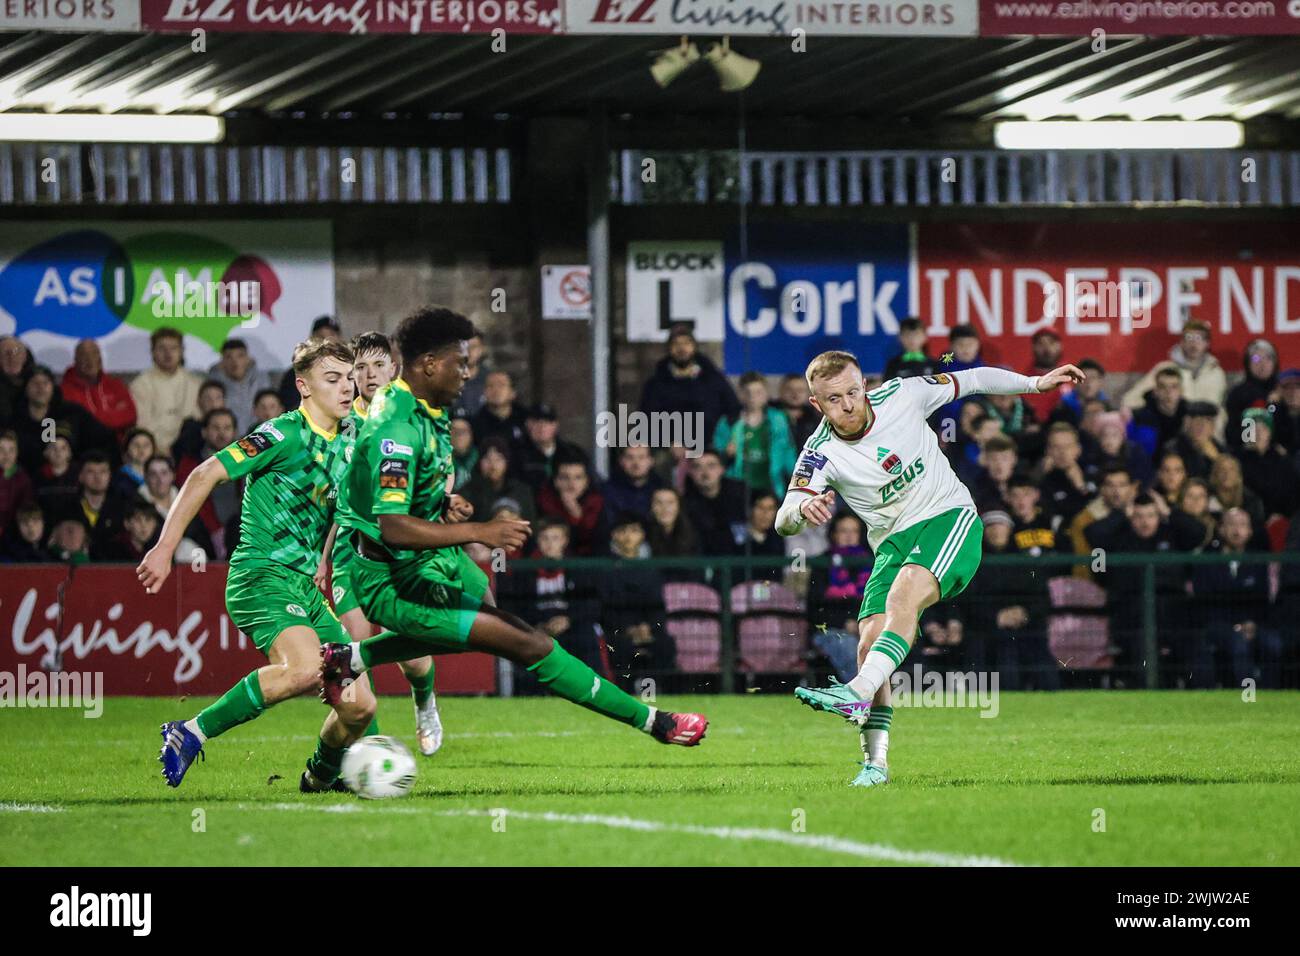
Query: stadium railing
x,y
1132,624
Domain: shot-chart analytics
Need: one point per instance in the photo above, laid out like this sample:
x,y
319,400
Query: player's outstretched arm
x,y
323,566
157,564
800,509
1065,375
408,533
987,380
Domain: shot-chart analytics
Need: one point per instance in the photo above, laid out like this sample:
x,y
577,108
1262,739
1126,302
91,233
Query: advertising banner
x,y
907,18
1149,17
264,282
81,16
352,16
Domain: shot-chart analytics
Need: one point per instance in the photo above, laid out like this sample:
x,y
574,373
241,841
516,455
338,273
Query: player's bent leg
x,y
346,724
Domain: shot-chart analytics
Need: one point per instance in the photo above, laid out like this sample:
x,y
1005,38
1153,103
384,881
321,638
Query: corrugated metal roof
x,y
886,78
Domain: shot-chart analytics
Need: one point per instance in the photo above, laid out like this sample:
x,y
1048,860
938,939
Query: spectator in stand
x,y
975,429
1163,409
24,541
56,478
44,400
1196,444
472,395
1228,490
1007,618
557,600
998,462
505,508
963,353
1069,407
686,381
1286,414
835,590
136,452
632,485
1142,529
1194,501
140,528
1201,376
1171,475
1047,356
1117,489
243,380
464,456
94,503
1287,608
16,488
500,416
673,466
16,365
224,500
670,534
913,359
323,328
1265,470
1114,448
792,400
571,497
760,539
541,446
1066,489
212,396
1031,531
159,490
632,607
1233,602
715,505
105,396
266,405
1015,420
165,394
492,480
1258,389
69,542
756,441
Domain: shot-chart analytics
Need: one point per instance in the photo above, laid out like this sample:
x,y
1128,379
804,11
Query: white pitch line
x,y
28,808
805,841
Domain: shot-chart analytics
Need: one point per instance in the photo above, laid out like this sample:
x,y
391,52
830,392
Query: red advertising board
x,y
178,642
1152,17
1119,293
352,16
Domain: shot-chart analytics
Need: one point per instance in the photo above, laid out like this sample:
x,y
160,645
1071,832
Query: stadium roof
x,y
950,81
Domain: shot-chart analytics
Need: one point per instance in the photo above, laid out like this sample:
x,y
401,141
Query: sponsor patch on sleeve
x,y
941,379
252,445
809,462
389,447
393,473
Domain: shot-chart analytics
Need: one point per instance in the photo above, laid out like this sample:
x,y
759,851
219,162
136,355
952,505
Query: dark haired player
x,y
406,567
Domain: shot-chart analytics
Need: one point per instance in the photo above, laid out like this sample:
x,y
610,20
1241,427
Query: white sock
x,y
192,725
650,721
877,747
357,666
875,671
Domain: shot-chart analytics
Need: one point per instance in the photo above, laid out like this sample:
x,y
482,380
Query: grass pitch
x,y
1176,778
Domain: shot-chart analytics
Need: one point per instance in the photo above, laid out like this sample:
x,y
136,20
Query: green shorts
x,y
264,599
949,545
425,599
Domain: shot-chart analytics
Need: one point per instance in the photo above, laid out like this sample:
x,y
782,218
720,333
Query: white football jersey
x,y
894,474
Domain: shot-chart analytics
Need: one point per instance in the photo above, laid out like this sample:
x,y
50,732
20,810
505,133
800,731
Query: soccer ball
x,y
378,767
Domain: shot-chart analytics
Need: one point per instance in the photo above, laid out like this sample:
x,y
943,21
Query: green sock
x,y
236,706
324,764
573,680
421,687
389,648
373,729
880,718
875,736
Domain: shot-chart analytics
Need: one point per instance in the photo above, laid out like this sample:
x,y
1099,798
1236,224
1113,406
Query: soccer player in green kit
x,y
406,567
372,369
292,465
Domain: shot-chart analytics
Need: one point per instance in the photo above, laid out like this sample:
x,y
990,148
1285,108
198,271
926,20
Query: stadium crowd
x,y
1182,461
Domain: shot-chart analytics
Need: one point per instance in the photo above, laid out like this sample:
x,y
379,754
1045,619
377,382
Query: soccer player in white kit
x,y
876,450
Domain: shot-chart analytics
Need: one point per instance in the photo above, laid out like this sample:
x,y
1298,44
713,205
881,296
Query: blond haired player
x,y
876,451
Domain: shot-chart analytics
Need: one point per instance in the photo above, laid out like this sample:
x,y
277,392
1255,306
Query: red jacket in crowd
x,y
109,399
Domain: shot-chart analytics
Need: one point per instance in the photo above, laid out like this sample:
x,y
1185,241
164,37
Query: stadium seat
x,y
693,623
772,628
1074,593
1080,642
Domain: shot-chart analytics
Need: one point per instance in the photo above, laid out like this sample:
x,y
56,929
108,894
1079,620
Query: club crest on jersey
x,y
296,610
889,461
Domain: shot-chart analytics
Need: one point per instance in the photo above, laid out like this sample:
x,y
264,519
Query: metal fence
x,y
1113,620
